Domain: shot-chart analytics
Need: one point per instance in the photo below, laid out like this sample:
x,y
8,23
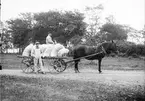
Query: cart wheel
x,y
59,65
27,67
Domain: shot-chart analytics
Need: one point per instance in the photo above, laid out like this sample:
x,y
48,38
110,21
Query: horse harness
x,y
104,50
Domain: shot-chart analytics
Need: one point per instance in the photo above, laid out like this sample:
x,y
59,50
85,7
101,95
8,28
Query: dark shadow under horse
x,y
95,52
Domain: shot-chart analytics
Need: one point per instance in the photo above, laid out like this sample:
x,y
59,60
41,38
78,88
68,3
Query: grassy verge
x,y
14,88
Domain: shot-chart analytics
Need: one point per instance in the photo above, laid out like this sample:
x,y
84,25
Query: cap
x,y
49,33
37,42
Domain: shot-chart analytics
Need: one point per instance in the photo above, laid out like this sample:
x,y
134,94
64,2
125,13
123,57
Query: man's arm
x,y
46,40
33,52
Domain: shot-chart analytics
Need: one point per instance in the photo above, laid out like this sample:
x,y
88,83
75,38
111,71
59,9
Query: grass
x,y
15,88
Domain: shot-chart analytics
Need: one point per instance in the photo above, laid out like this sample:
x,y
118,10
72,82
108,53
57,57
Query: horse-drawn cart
x,y
78,53
58,63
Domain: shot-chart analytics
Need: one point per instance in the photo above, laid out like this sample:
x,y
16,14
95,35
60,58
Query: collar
x,y
104,50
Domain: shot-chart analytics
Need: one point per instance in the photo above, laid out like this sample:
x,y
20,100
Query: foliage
x,y
113,32
91,41
19,29
130,49
5,38
62,25
143,33
110,19
93,19
76,40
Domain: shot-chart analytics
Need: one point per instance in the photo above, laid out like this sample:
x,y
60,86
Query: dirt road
x,y
108,76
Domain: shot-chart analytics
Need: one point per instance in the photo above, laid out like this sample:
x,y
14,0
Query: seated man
x,y
49,39
37,53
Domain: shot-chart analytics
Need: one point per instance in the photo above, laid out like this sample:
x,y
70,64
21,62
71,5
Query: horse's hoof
x,y
42,72
100,72
77,72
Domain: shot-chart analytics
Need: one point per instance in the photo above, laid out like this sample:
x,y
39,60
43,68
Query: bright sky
x,y
130,12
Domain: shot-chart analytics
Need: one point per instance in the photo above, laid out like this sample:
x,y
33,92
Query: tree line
x,y
65,26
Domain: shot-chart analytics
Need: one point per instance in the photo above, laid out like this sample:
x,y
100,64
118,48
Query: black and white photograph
x,y
72,50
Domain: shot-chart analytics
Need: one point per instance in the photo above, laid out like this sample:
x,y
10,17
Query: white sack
x,y
47,50
57,47
62,52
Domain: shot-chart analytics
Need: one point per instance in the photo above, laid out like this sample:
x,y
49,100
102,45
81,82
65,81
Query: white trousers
x,y
38,63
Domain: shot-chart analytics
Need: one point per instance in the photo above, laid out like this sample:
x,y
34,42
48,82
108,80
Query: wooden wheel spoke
x,y
59,65
27,66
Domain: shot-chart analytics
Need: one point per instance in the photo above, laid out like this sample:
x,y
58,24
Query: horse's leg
x,y
76,67
99,65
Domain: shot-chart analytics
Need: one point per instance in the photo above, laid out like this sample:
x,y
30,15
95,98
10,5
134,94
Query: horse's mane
x,y
104,44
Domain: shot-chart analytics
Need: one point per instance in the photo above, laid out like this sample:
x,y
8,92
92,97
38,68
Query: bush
x,y
129,49
140,49
124,46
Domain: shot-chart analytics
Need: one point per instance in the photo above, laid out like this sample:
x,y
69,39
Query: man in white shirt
x,y
37,53
49,39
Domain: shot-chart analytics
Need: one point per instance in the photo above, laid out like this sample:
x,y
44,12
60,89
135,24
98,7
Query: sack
x,y
47,50
55,50
62,52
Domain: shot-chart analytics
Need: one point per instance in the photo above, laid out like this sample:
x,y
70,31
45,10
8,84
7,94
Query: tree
x,y
7,39
143,33
110,19
62,25
76,40
111,31
93,19
19,29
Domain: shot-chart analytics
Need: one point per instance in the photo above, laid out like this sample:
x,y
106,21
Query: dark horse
x,y
83,51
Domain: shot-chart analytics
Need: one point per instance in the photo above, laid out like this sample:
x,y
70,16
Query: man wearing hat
x,y
37,53
49,39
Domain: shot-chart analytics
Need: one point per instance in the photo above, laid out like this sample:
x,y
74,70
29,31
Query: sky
x,y
129,12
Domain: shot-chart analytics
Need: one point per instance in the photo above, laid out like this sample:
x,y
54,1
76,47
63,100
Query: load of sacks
x,y
48,50
51,50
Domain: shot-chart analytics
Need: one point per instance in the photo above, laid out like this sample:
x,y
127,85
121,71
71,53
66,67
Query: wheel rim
x,y
59,65
27,68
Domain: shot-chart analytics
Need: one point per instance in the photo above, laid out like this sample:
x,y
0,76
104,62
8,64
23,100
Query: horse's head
x,y
110,47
